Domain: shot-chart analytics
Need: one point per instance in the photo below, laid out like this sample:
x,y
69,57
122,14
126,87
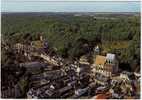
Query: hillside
x,y
67,33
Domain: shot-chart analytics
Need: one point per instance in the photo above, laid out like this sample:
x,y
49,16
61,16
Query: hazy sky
x,y
44,6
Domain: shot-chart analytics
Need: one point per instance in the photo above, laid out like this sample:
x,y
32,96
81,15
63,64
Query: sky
x,y
71,6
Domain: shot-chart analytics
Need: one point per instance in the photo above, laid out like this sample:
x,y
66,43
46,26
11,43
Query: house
x,y
24,49
98,66
33,67
31,94
64,90
8,93
103,96
37,45
80,92
124,76
40,44
83,65
50,60
111,63
105,65
84,60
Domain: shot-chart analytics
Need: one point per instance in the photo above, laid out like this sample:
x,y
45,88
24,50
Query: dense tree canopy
x,y
73,35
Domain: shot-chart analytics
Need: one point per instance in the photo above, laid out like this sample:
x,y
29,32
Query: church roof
x,y
100,60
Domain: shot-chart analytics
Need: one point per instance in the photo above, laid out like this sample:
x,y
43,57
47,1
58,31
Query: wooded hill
x,y
69,34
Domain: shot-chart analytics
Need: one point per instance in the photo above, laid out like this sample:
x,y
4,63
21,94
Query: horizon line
x,y
67,12
71,1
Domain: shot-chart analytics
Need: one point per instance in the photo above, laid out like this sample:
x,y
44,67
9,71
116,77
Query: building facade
x,y
105,65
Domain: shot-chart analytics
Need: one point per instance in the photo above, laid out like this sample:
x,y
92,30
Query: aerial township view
x,y
94,55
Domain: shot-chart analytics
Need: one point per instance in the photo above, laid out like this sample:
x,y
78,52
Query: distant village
x,y
51,76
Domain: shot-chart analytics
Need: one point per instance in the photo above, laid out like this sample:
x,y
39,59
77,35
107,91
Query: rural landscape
x,y
70,55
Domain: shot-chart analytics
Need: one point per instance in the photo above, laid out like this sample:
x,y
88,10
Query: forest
x,y
72,36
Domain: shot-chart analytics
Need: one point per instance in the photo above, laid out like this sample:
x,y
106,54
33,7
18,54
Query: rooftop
x,y
37,44
100,60
110,56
